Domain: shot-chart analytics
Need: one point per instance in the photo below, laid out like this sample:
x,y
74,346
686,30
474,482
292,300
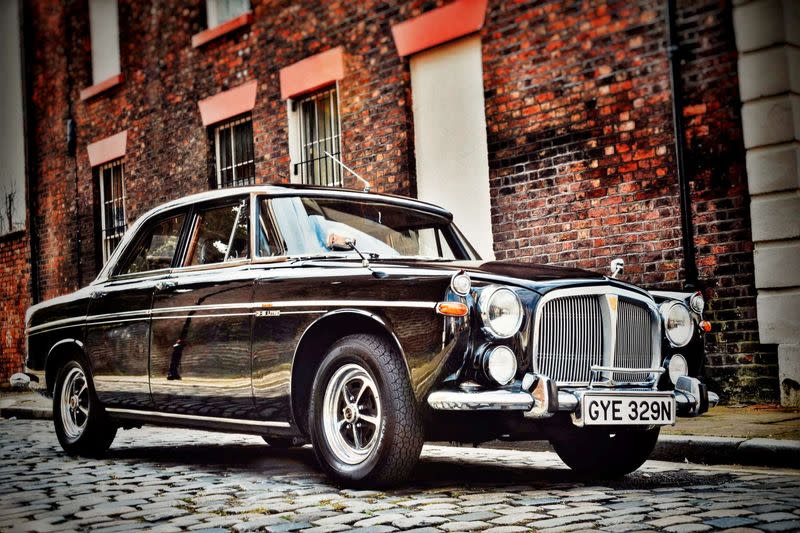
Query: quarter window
x,y
316,125
219,235
112,206
155,250
233,149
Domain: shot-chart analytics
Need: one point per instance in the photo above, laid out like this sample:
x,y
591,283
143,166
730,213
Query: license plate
x,y
628,410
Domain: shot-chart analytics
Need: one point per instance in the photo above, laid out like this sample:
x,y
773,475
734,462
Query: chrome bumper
x,y
543,399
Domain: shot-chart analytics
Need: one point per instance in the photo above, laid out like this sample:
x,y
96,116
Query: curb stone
x,y
676,448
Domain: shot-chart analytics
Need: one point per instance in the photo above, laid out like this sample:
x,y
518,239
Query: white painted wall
x,y
104,27
12,140
450,136
768,41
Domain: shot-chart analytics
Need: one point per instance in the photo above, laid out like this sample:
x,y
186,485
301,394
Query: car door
x,y
201,319
118,321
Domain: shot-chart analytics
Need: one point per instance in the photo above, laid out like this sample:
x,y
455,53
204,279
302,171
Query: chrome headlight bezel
x,y
488,294
666,310
697,303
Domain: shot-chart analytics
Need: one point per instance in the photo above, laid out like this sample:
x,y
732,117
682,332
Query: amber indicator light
x,y
452,309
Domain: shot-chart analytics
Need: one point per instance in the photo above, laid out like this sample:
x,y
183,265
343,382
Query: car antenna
x,y
367,185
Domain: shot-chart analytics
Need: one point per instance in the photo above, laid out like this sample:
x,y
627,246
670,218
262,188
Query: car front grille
x,y
573,332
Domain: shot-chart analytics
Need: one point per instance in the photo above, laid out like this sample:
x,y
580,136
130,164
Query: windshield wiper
x,y
319,257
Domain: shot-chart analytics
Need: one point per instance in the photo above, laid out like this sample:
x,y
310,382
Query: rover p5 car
x,y
364,324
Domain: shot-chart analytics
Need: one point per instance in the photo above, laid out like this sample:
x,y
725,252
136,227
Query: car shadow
x,y
433,472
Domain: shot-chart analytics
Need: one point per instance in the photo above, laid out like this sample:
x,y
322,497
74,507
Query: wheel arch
x,y
59,353
315,341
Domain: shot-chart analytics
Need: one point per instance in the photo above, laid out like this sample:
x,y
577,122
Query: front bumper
x,y
543,399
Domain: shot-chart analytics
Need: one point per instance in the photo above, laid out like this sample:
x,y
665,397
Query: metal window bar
x,y
233,143
112,206
319,132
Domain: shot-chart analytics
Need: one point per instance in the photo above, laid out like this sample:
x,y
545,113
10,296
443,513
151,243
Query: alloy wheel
x,y
351,414
74,404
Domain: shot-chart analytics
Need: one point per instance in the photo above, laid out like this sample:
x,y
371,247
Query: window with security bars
x,y
112,206
318,124
233,147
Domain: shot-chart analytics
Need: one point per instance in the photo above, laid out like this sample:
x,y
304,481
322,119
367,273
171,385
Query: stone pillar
x,y
768,41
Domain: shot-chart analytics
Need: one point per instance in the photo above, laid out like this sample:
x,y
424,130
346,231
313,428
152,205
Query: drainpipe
x,y
684,191
30,147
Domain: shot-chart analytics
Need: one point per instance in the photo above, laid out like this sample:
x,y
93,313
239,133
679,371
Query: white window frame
x,y
296,142
105,235
104,31
212,13
234,164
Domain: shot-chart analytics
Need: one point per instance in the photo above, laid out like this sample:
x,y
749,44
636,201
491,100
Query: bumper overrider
x,y
538,397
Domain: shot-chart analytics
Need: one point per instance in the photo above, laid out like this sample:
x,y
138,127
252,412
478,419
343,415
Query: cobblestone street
x,y
173,480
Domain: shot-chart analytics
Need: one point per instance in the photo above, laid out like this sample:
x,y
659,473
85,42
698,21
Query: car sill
x,y
213,419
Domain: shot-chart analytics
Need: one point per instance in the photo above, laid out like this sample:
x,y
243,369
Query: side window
x,y
220,234
156,249
268,242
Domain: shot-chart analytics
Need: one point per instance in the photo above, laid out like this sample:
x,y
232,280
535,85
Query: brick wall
x,y
578,108
14,280
582,157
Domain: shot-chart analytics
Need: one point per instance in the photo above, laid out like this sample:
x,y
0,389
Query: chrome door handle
x,y
98,294
165,285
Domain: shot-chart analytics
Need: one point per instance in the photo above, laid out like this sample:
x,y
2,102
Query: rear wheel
x,y
82,425
364,421
604,453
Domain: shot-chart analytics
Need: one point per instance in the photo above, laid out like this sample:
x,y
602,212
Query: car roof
x,y
301,190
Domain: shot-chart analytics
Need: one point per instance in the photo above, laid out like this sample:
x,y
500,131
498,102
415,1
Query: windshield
x,y
326,226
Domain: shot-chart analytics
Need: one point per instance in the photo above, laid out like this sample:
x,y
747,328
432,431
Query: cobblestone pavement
x,y
173,480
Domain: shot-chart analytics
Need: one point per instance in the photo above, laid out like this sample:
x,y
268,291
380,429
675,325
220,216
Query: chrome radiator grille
x,y
574,332
570,338
634,342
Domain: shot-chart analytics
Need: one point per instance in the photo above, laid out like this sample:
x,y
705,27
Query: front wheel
x,y
82,425
605,453
364,421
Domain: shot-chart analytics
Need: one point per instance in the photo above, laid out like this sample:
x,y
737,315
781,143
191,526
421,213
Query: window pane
x,y
112,218
215,238
235,153
228,9
319,133
156,249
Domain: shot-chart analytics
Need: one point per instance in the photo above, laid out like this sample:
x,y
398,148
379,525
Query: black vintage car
x,y
365,324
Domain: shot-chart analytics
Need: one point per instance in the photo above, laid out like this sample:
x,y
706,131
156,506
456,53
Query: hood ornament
x,y
617,266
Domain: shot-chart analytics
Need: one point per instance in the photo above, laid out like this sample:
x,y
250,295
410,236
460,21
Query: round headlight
x,y
500,364
678,324
501,311
697,303
677,367
461,284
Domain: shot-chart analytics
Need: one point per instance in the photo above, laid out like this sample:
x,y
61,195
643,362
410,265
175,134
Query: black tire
x,y
605,453
396,439
96,430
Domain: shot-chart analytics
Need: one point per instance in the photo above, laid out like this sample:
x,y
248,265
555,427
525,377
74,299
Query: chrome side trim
x,y
176,416
62,323
125,316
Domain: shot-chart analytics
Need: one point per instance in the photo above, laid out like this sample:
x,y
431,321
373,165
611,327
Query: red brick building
x,y
562,132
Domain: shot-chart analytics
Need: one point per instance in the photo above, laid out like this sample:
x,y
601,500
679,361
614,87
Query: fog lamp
x,y
697,303
677,367
500,364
